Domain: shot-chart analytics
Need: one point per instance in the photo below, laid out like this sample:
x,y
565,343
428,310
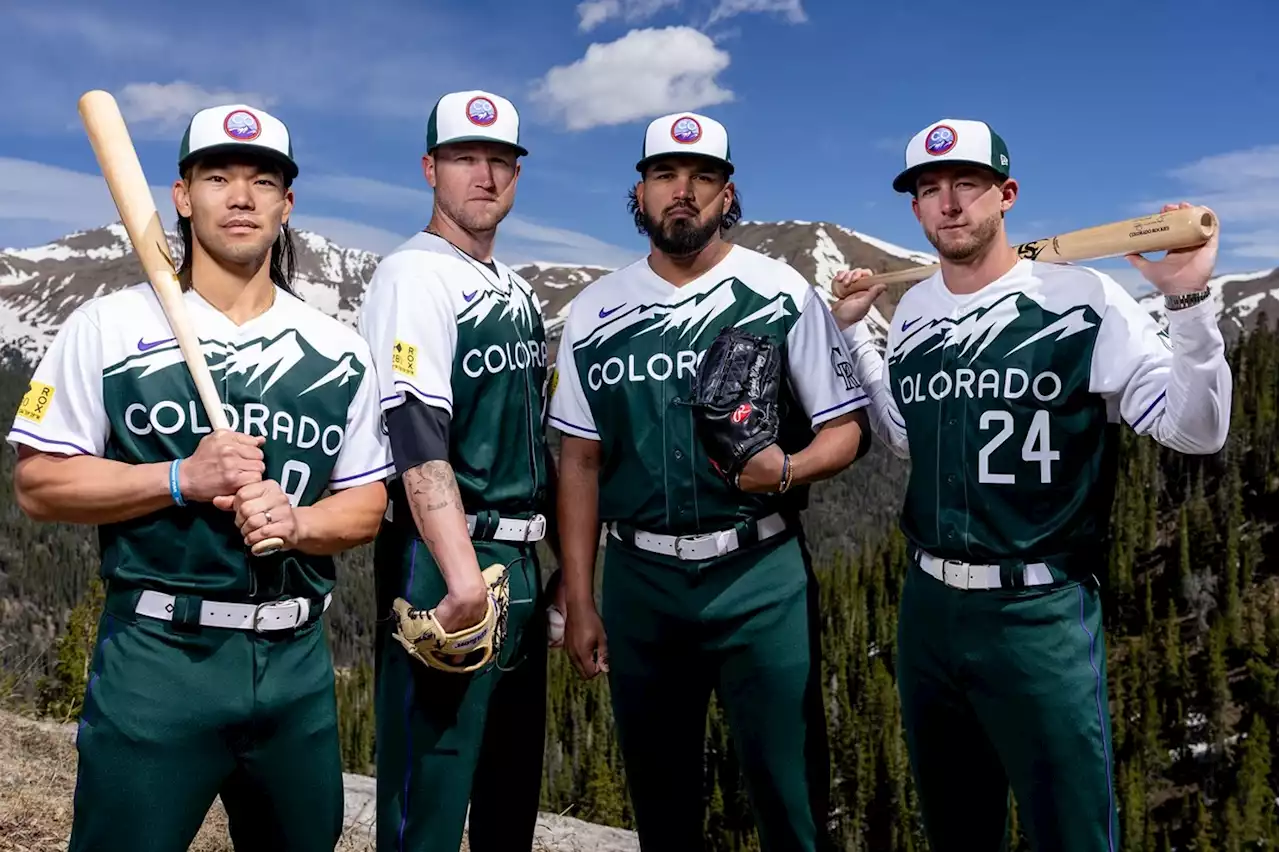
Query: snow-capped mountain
x,y
1242,298
40,286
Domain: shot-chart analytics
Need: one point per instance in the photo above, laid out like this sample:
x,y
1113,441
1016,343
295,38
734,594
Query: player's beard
x,y
972,245
680,237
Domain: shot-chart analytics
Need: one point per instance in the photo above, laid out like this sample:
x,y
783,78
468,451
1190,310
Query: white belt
x,y
702,545
271,615
515,529
965,575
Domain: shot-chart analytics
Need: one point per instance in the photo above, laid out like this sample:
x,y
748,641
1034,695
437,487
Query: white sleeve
x,y
62,411
366,451
868,364
1175,388
819,367
412,331
570,412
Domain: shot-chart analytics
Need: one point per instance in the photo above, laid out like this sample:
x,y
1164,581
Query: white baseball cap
x,y
237,128
953,140
684,134
474,116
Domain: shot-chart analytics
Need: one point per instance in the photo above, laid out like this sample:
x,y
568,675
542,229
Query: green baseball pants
x,y
1007,687
444,739
176,714
745,625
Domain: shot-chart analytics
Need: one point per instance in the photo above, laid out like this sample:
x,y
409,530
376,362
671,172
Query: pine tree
x,y
62,694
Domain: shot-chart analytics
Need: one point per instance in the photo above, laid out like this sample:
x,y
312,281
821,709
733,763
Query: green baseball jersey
x,y
632,345
468,339
113,384
1006,402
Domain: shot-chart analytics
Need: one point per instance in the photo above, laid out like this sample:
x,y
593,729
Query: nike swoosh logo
x,y
604,314
469,296
143,347
907,325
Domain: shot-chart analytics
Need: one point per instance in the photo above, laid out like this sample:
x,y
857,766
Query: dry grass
x,y
38,778
37,781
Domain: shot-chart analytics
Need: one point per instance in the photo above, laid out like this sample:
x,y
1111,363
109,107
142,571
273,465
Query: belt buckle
x,y
690,539
952,577
257,612
537,523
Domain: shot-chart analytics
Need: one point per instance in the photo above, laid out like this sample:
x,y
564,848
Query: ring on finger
x,y
267,514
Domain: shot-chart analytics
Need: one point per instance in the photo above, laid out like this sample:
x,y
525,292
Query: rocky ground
x,y
37,779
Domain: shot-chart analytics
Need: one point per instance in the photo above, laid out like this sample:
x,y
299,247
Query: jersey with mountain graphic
x,y
116,386
632,344
468,339
1010,397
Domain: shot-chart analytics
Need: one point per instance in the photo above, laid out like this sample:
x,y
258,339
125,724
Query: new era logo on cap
x,y
474,116
234,128
953,140
684,133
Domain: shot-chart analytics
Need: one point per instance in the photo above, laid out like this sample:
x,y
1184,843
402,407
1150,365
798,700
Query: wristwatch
x,y
1178,301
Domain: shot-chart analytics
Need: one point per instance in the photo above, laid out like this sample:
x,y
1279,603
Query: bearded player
x,y
707,584
212,674
1008,380
461,357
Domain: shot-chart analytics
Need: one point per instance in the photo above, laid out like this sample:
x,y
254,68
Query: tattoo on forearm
x,y
432,486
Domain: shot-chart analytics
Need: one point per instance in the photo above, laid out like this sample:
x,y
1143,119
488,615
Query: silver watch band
x,y
1178,301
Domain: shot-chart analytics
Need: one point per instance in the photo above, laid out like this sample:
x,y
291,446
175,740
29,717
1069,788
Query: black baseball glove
x,y
735,399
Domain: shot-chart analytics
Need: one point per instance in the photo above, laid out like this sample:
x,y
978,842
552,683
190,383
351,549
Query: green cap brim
x,y
906,179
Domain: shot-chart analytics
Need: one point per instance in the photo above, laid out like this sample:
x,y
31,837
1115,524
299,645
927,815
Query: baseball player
x,y
212,673
707,584
461,352
1008,380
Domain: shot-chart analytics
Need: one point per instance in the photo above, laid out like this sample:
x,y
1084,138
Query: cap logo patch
x,y
481,111
686,130
940,140
242,125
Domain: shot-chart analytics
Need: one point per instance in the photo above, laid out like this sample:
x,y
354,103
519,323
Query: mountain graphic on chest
x,y
1012,323
728,302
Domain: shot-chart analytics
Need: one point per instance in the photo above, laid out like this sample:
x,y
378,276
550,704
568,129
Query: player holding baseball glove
x,y
460,348
1006,382
699,472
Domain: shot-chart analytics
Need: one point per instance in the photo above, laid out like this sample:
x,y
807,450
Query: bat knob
x,y
268,546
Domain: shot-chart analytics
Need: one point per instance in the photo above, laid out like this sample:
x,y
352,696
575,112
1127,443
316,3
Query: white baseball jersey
x,y
1007,396
632,344
468,339
113,384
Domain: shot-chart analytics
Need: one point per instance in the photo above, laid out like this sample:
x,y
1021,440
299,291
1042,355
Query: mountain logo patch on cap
x,y
940,140
242,125
481,111
686,130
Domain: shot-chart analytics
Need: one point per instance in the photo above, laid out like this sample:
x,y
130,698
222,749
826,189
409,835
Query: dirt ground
x,y
38,777
37,780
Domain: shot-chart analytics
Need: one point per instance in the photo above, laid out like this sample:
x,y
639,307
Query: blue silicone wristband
x,y
174,490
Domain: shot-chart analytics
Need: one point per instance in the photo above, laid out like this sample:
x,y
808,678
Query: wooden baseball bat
x,y
1187,227
119,162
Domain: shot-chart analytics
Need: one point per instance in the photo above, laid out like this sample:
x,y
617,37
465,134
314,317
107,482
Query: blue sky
x,y
1109,109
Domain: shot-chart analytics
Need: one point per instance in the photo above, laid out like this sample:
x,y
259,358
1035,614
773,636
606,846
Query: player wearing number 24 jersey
x,y
1005,381
212,674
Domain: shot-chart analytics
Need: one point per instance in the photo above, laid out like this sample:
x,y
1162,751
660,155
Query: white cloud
x,y
792,10
519,239
593,13
51,202
349,234
66,199
642,75
165,108
1241,187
